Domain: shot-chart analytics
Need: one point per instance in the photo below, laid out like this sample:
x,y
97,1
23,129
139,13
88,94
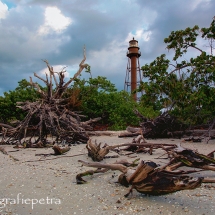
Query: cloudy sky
x,y
57,30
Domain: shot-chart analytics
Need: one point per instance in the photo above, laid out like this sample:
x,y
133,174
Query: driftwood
x,y
6,153
149,178
187,157
167,126
95,151
59,151
130,132
98,152
194,135
49,116
80,180
161,127
194,139
102,133
3,151
212,154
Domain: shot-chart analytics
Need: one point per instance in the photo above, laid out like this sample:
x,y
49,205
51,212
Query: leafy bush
x,y
9,111
187,86
98,97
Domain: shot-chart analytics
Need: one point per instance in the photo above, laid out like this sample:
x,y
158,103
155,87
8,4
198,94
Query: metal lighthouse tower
x,y
133,73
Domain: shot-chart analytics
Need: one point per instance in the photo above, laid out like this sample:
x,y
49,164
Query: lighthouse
x,y
133,73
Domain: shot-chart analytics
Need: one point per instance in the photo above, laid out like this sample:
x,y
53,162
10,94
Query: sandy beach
x,y
46,184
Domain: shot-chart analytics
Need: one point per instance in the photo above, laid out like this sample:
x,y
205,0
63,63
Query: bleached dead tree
x,y
49,116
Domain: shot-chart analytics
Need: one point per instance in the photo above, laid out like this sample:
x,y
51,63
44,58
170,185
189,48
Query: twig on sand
x,y
3,151
6,153
67,156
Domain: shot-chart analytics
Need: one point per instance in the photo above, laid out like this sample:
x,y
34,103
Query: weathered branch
x,y
119,167
81,67
38,88
37,76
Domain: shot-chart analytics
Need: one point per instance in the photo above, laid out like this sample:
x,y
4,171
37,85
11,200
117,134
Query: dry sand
x,y
49,187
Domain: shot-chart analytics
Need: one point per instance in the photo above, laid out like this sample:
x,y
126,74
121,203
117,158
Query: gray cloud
x,y
103,26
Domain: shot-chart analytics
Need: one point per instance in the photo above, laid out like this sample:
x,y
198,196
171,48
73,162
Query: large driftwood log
x,y
128,134
148,179
131,132
98,152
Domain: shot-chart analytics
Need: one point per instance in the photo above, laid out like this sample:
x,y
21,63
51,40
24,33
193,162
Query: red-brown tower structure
x,y
133,74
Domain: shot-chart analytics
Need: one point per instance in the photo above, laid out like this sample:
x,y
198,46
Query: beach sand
x,y
37,185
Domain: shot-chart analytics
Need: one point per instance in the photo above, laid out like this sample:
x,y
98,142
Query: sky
x,y
57,30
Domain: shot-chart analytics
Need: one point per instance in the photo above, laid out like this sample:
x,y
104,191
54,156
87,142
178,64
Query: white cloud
x,y
54,20
108,58
3,10
104,34
139,34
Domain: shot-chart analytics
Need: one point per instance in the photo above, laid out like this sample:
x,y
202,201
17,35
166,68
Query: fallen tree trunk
x,y
193,133
98,153
128,134
102,133
131,132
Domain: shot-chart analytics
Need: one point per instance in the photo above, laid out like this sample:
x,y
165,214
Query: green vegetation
x,y
95,97
186,84
98,97
24,92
